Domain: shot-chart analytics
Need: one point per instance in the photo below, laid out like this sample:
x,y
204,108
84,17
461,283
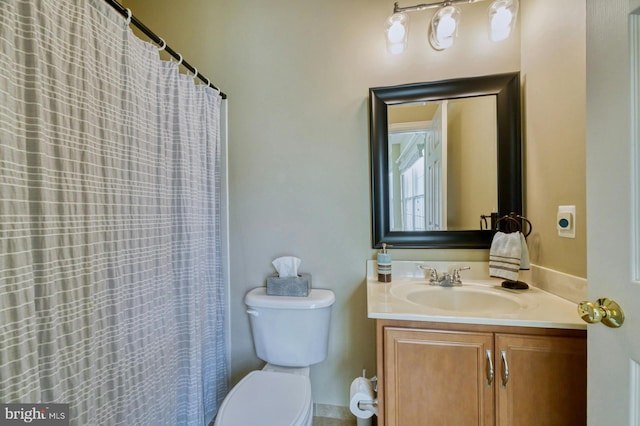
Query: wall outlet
x,y
566,221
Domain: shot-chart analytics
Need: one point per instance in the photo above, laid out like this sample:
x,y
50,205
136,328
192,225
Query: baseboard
x,y
332,411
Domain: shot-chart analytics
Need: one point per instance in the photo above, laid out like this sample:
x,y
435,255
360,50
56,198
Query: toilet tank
x,y
290,331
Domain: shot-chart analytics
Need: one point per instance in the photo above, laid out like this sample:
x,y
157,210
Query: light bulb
x,y
444,27
396,30
396,49
502,16
445,43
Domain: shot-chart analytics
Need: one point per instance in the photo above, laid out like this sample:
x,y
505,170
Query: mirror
x,y
443,154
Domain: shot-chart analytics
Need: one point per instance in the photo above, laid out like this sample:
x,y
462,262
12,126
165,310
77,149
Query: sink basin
x,y
472,299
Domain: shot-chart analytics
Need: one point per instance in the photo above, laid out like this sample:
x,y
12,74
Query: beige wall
x,y
554,94
297,75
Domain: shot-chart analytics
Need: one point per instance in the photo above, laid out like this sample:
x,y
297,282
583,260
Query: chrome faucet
x,y
433,273
444,279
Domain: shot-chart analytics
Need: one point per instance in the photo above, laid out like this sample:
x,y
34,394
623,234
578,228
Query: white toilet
x,y
290,334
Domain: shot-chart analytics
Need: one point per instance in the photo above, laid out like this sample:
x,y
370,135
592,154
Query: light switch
x,y
566,221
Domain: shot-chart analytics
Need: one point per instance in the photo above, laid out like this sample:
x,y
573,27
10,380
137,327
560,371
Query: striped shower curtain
x,y
112,295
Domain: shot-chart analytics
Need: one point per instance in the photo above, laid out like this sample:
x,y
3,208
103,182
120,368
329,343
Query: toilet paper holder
x,y
362,398
373,404
368,405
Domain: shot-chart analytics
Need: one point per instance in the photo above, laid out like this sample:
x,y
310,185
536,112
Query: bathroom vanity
x,y
476,354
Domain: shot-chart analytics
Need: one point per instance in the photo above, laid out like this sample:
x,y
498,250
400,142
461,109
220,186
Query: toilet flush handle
x,y
252,312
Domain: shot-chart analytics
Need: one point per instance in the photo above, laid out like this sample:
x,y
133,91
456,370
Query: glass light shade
x,y
396,30
502,19
444,27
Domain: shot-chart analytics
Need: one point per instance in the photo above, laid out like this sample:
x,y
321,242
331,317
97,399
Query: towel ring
x,y
483,222
513,223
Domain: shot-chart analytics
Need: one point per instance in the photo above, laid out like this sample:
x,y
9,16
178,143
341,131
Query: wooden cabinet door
x,y
546,382
437,378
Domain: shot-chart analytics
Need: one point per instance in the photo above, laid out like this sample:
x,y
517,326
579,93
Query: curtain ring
x,y
195,73
164,44
129,15
208,81
180,61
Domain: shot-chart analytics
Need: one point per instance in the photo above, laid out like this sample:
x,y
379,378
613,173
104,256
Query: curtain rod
x,y
160,42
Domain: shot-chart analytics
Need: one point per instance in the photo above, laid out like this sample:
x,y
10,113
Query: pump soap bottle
x,y
384,265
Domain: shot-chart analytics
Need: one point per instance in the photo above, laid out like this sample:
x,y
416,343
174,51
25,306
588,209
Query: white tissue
x,y
286,266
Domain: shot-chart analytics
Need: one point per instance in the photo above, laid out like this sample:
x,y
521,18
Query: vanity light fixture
x,y
443,27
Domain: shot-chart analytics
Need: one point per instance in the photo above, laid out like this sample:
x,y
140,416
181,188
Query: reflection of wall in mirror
x,y
472,161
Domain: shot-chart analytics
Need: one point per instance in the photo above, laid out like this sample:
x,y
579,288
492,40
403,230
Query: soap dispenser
x,y
384,265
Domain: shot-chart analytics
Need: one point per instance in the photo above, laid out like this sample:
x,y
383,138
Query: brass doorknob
x,y
603,310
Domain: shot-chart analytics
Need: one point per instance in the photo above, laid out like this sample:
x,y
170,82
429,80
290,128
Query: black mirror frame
x,y
506,87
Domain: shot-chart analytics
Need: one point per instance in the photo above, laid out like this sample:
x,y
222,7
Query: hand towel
x,y
524,254
505,255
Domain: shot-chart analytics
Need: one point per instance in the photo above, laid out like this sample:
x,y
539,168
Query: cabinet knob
x,y
602,310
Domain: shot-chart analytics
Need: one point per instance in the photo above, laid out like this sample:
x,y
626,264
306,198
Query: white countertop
x,y
537,308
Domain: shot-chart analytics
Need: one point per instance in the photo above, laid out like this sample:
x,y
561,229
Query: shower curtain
x,y
112,294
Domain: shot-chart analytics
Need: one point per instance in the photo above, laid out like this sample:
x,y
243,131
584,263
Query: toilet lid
x,y
267,398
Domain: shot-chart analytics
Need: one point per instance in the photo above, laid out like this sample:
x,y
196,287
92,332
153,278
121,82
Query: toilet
x,y
290,334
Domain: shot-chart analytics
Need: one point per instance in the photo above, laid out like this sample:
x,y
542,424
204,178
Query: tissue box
x,y
289,286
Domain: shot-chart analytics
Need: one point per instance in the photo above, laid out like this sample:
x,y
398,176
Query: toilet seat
x,y
268,398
